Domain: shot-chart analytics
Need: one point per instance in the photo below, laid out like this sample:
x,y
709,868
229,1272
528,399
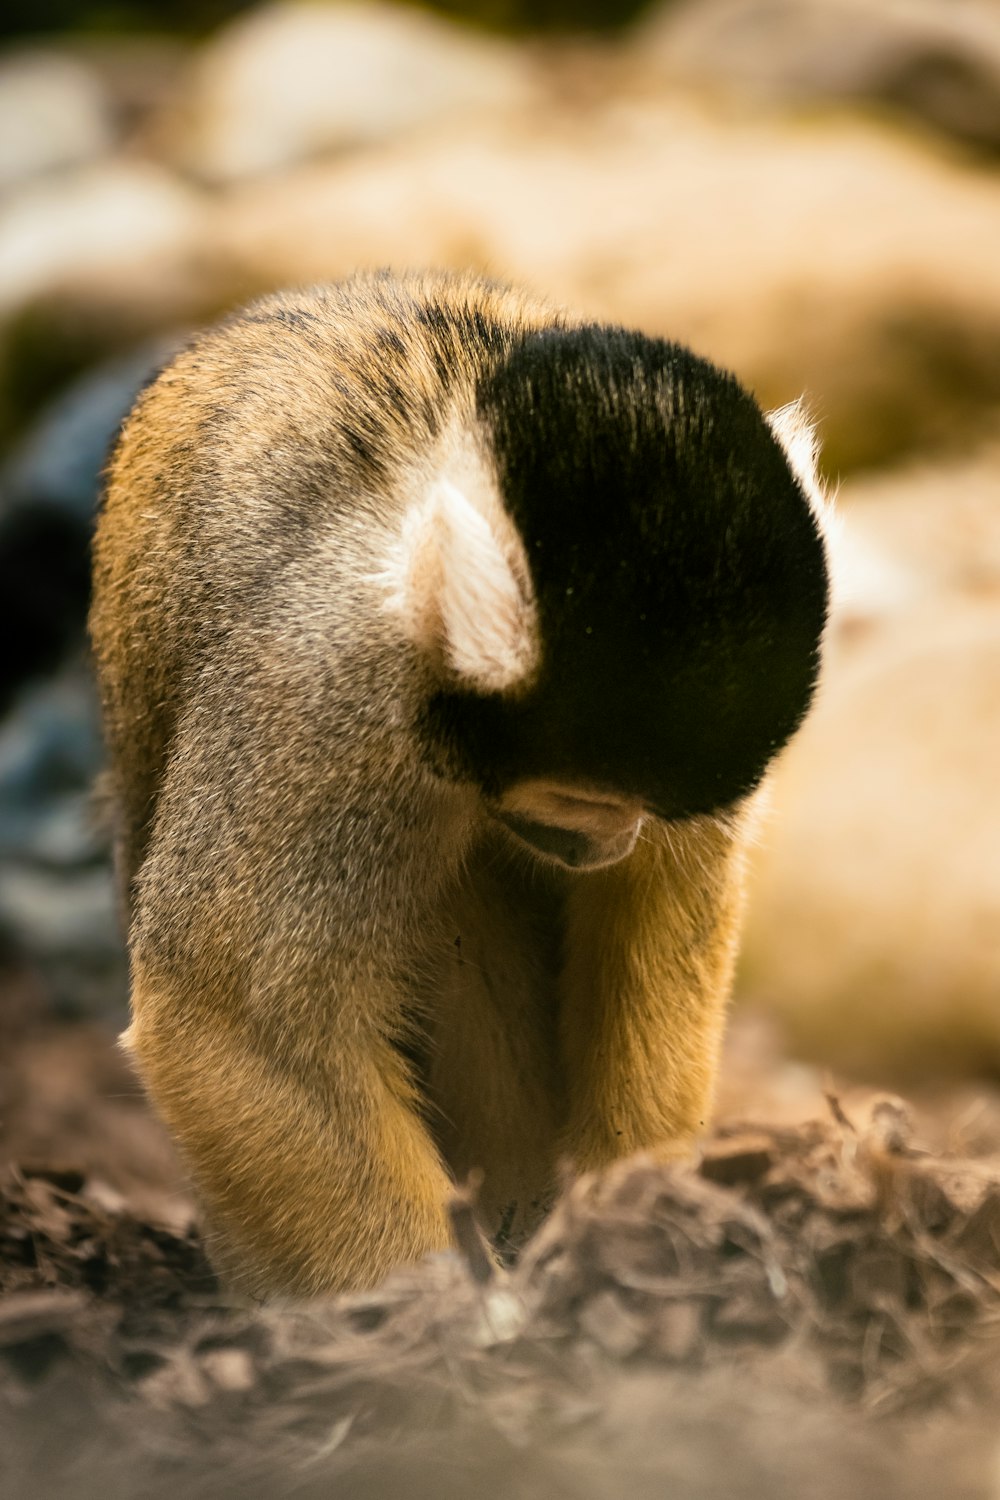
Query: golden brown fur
x,y
348,986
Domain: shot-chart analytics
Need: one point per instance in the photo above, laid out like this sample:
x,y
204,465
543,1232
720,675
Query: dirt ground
x,y
812,1311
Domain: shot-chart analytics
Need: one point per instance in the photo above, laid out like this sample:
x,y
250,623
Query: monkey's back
x,y
290,431
415,606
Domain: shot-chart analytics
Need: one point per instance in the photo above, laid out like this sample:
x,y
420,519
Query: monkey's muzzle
x,y
569,846
579,827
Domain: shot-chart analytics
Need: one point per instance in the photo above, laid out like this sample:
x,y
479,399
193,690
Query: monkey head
x,y
622,599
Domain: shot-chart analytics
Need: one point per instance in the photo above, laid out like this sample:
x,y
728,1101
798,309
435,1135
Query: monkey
x,y
444,642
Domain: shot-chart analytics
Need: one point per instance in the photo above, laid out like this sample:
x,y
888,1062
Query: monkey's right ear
x,y
460,587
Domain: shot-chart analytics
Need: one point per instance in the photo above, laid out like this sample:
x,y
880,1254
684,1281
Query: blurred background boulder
x,y
807,191
53,114
290,82
933,62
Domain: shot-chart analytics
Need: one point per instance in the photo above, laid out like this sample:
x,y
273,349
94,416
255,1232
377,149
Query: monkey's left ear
x,y
797,435
461,589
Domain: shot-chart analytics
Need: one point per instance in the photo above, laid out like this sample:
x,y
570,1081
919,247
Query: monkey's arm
x,y
314,1171
270,932
650,949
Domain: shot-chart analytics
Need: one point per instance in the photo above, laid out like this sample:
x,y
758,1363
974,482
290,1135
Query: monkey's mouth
x,y
569,846
579,827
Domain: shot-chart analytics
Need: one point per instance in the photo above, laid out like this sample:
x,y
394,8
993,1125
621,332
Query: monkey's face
x,y
570,825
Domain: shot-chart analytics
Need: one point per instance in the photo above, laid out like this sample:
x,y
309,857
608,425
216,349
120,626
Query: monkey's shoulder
x,y
305,388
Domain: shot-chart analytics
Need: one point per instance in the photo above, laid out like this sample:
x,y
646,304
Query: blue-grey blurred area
x,y
806,191
49,488
55,894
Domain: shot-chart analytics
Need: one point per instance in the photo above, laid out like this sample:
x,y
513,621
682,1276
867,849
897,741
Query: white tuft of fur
x,y
799,439
461,588
798,436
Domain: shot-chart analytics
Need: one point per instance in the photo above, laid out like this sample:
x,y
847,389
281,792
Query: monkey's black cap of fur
x,y
679,572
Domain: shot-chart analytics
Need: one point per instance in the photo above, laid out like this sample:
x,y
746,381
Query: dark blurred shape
x,y
57,911
545,15
48,497
44,590
193,17
33,17
936,62
52,350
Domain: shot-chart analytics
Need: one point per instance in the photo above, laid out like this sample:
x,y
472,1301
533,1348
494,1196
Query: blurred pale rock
x,y
924,536
835,258
935,60
105,221
54,113
874,931
291,81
